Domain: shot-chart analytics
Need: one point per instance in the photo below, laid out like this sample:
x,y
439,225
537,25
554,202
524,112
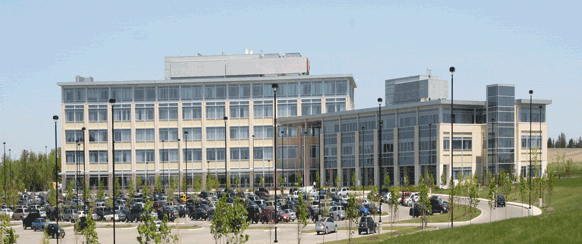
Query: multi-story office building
x,y
418,88
210,112
488,136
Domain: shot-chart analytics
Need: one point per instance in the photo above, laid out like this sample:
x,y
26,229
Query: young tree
x,y
301,216
172,188
299,181
237,215
491,195
352,215
7,234
262,181
158,185
337,181
443,179
353,180
130,190
474,196
237,181
386,180
101,191
372,196
117,188
70,192
506,187
550,184
219,225
423,200
149,233
184,186
89,231
280,180
145,191
85,191
197,184
393,201
523,190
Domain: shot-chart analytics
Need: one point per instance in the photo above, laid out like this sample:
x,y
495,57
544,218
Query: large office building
x,y
209,112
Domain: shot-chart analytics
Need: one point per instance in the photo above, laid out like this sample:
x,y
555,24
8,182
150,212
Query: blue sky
x,y
532,44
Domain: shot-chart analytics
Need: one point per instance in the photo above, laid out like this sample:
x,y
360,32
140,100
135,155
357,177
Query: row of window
x,y
459,143
200,92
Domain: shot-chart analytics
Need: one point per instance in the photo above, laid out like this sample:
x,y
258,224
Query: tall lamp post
x,y
275,86
541,151
84,180
253,159
530,163
163,164
112,101
226,177
77,170
187,154
282,153
380,146
4,143
55,118
452,70
362,163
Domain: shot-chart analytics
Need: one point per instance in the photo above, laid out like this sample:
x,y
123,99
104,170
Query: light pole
x,y
275,86
452,70
362,163
4,143
283,153
187,154
430,147
530,163
226,177
77,169
541,151
380,146
253,159
55,118
112,101
163,164
84,180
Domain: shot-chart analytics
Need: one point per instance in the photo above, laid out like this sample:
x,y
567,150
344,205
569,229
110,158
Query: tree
x,y
117,188
52,197
262,181
550,184
571,143
443,178
219,225
337,181
101,191
70,192
89,231
197,184
373,196
473,196
491,194
172,188
237,181
550,143
149,233
146,191
158,185
299,181
506,187
6,232
229,221
561,142
423,200
301,216
184,186
85,191
280,180
352,215
393,201
353,179
131,190
387,180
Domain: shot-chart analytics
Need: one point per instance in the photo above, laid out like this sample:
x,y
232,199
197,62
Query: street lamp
x,y
253,159
541,151
4,143
187,154
225,157
283,153
163,163
55,118
452,70
112,101
530,164
84,185
380,147
362,163
77,169
275,86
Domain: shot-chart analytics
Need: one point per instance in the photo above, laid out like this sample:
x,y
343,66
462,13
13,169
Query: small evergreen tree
x,y
299,181
70,192
262,181
337,181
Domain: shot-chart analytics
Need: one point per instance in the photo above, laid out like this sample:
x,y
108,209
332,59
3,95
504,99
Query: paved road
x,y
287,233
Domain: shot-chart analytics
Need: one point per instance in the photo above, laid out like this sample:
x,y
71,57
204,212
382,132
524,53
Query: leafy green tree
x,y
393,201
337,181
6,232
474,196
117,192
443,178
237,215
138,183
146,191
262,181
149,233
219,225
280,180
299,181
491,194
101,191
184,186
317,180
70,192
52,197
550,184
89,231
237,181
386,180
423,200
373,196
352,215
301,216
158,185
506,187
85,191
197,184
353,180
131,190
172,188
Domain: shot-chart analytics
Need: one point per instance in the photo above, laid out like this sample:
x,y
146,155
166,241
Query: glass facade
x,y
500,127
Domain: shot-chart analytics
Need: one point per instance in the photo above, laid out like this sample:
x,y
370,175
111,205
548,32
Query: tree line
x,y
562,142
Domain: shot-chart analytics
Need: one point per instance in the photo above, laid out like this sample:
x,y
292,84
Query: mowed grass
x,y
393,232
461,213
560,223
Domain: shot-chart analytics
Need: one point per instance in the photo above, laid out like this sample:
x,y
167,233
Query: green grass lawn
x,y
461,213
116,226
560,223
397,231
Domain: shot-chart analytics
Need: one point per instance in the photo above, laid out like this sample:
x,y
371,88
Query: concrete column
x,y
416,156
396,168
376,159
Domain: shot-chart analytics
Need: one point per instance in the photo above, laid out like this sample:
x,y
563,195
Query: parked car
x,y
344,192
438,205
363,211
337,212
417,210
21,213
199,213
500,200
292,215
55,231
411,199
367,225
31,217
8,212
38,224
325,225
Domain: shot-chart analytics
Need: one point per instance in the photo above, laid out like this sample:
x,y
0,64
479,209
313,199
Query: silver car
x,y
292,215
337,212
325,225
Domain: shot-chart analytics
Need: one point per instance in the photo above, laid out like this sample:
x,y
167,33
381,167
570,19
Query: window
x,y
287,152
73,136
191,111
239,153
215,154
145,94
145,156
192,154
215,133
96,157
168,111
292,89
74,95
311,107
122,156
120,94
215,110
333,88
263,132
239,110
145,135
263,109
236,91
168,93
194,134
287,108
258,90
262,90
536,141
333,105
192,93
287,131
215,92
122,112
97,136
144,112
122,135
98,95
71,157
168,134
74,113
265,153
459,143
446,143
97,113
239,132
169,155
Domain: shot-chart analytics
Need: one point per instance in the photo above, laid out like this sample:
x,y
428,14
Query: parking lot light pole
x,y
226,177
362,163
530,163
275,86
380,148
4,159
56,118
186,141
541,151
452,70
84,181
112,101
77,170
253,159
163,165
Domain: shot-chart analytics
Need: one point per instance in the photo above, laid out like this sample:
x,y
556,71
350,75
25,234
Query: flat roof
x,y
211,80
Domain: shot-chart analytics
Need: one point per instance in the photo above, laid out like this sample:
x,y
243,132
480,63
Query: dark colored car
x,y
262,192
166,212
55,231
500,200
438,205
203,194
199,213
417,209
253,214
135,213
367,225
183,211
38,224
31,217
80,226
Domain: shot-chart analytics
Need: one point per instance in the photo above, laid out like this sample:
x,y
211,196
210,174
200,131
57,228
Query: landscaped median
x,y
387,233
461,213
